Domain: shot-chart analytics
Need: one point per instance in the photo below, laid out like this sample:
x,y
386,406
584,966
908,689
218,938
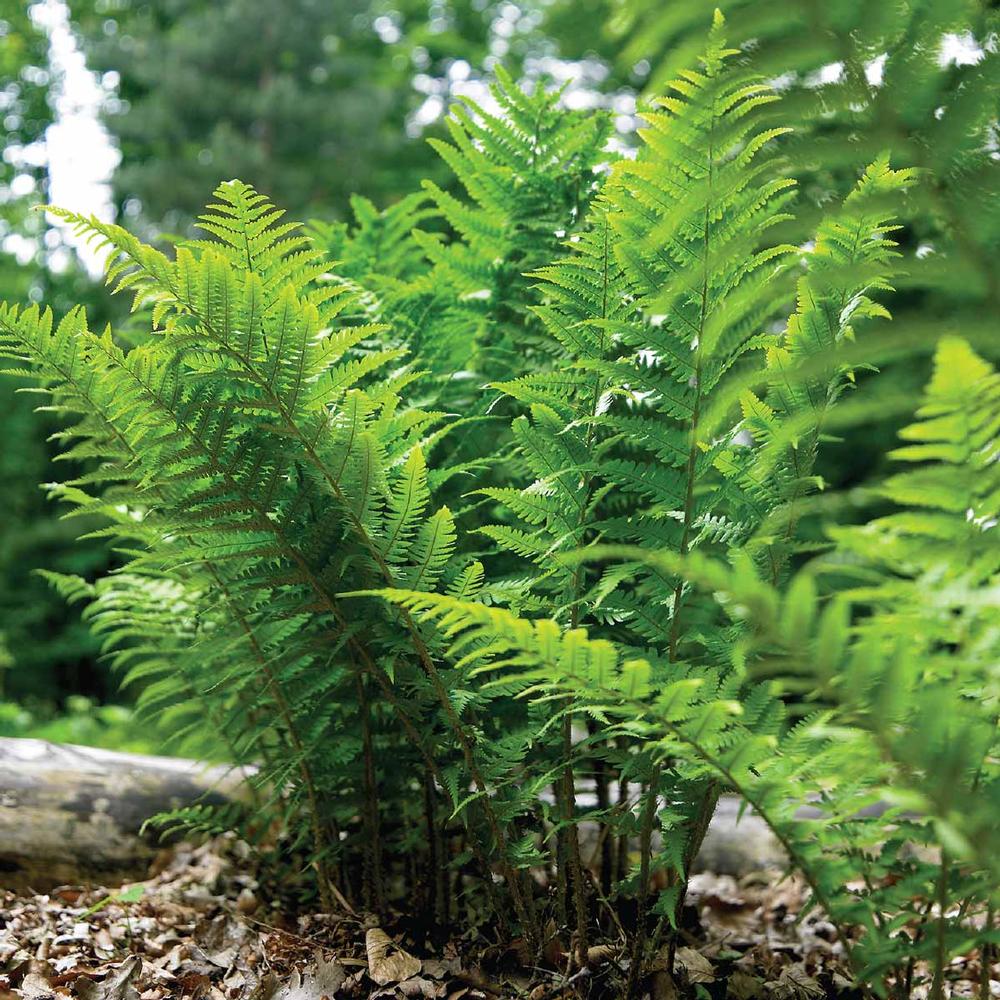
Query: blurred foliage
x,y
24,87
82,721
51,650
312,105
299,102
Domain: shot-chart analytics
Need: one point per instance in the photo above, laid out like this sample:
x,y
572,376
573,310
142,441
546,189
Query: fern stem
x,y
374,891
940,940
571,840
696,837
911,961
435,873
707,806
604,807
561,856
645,851
302,763
621,847
986,955
409,728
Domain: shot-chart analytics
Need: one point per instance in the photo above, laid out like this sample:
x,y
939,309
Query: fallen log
x,y
736,844
72,814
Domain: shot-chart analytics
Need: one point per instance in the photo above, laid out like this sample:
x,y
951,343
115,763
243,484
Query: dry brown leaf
x,y
441,968
320,980
35,987
843,985
104,946
388,963
795,983
598,954
418,986
696,967
116,986
662,986
12,955
246,901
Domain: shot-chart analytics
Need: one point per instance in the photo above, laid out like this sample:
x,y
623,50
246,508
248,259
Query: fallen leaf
x,y
35,987
598,954
320,981
662,986
263,989
12,956
695,966
441,968
117,985
418,986
104,946
795,983
194,983
246,901
388,963
842,985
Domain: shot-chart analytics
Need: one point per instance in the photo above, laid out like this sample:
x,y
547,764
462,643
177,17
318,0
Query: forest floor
x,y
199,929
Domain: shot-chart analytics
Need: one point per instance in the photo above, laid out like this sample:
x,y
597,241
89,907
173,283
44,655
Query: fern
x,y
529,173
807,370
236,460
661,302
904,662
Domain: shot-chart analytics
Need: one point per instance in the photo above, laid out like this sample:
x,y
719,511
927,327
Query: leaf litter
x,y
200,929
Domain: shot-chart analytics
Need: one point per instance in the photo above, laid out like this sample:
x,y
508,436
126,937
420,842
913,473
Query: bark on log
x,y
71,814
735,844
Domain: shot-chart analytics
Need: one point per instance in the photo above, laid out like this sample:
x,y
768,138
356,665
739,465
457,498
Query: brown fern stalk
x,y
572,835
435,874
374,890
941,929
649,799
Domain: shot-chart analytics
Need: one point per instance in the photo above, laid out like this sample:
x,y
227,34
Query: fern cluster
x,y
507,498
